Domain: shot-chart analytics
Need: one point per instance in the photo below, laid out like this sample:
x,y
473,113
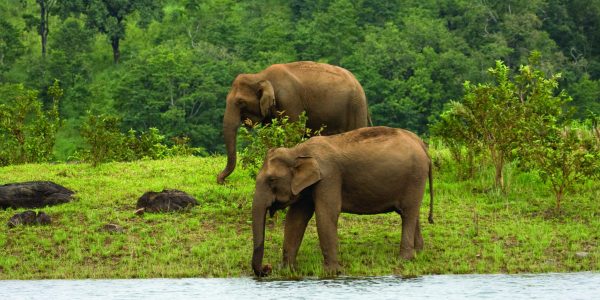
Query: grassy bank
x,y
477,230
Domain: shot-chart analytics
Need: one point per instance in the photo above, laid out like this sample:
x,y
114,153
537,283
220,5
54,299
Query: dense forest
x,y
169,64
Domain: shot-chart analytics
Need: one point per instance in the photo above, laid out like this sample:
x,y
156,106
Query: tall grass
x,y
477,229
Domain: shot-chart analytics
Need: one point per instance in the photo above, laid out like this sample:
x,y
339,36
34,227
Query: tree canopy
x,y
177,58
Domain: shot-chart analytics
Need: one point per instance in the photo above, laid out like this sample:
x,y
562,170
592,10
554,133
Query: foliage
x,y
412,57
27,131
11,48
329,35
42,23
505,115
564,157
69,62
281,132
453,134
110,17
586,97
426,72
106,142
176,89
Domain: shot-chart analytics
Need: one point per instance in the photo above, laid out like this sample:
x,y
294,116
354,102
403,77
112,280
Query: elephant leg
x,y
358,115
296,220
418,236
327,211
328,239
409,225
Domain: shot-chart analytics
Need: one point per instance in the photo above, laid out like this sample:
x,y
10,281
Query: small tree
x,y
564,157
281,132
485,118
27,131
455,135
102,133
506,114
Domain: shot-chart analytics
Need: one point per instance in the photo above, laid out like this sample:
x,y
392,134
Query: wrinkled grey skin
x,y
330,96
369,170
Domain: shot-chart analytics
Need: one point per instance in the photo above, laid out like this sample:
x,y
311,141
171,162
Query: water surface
x,y
584,285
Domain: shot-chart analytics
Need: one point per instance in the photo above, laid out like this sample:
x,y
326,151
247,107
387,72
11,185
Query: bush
x,y
106,142
27,131
281,132
564,157
502,116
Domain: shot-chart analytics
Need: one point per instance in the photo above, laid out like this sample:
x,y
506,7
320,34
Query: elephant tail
x,y
430,192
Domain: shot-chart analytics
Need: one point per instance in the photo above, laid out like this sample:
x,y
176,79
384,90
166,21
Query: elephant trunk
x,y
231,123
259,214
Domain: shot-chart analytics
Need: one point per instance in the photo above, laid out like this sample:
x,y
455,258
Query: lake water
x,y
539,286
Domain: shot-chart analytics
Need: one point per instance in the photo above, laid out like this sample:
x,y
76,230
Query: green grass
x,y
477,229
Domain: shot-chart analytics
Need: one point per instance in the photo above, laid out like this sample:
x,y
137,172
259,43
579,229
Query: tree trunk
x,y
498,160
44,30
499,175
559,195
470,165
115,47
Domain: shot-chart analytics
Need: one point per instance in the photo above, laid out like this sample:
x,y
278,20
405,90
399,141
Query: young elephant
x,y
369,170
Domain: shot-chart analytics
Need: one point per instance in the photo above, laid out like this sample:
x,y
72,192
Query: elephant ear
x,y
305,173
267,97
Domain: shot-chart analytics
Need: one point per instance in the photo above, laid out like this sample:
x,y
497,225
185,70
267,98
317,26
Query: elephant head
x,y
278,184
250,97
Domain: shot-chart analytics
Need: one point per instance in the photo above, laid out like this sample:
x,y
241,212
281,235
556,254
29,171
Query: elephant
x,y
369,170
330,95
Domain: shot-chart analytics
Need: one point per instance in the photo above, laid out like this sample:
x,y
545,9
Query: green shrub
x,y
564,157
27,131
102,133
504,115
106,142
181,147
281,132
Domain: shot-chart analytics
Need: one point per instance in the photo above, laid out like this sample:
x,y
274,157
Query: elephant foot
x,y
286,264
419,246
265,271
333,269
407,254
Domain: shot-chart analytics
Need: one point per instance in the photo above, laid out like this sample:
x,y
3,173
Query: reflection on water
x,y
540,286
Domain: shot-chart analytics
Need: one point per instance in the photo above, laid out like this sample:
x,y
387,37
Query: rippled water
x,y
538,286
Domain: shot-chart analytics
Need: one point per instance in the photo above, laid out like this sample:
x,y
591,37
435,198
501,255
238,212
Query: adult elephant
x,y
365,171
330,96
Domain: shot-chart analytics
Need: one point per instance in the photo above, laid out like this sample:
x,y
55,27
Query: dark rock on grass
x,y
165,201
33,194
25,218
43,219
29,217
